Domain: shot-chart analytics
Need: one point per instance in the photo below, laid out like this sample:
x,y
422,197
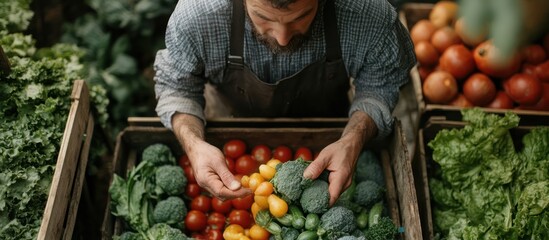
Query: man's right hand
x,y
211,172
207,161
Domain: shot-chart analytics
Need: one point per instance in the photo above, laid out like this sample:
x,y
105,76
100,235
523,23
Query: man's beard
x,y
293,45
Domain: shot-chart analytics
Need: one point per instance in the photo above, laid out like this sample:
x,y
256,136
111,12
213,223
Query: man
x,y
282,58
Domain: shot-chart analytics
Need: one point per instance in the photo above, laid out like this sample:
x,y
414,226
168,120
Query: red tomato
x,y
234,148
243,203
192,190
445,37
542,71
201,203
230,163
534,54
215,234
305,153
199,236
246,165
189,174
479,89
461,101
261,153
196,221
184,161
216,220
542,104
489,61
523,88
440,87
221,206
241,217
426,54
282,153
458,61
501,101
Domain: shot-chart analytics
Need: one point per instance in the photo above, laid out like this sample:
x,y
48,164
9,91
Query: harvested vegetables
x,y
487,188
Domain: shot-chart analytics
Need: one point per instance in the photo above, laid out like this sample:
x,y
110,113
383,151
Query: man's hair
x,y
280,4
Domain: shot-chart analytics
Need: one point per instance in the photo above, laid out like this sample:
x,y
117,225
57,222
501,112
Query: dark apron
x,y
318,90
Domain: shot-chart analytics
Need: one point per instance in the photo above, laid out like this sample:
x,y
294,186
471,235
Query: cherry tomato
x,y
192,190
258,233
241,217
305,153
199,236
264,189
261,153
246,165
266,171
230,164
233,232
534,54
216,220
479,89
201,203
523,88
221,206
184,161
196,221
214,234
234,148
282,153
458,61
501,101
277,206
243,203
189,174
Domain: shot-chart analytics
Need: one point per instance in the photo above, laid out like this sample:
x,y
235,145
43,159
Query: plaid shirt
x,y
376,49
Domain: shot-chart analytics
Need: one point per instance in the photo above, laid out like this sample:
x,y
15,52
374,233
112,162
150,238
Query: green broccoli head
x,y
162,231
368,192
288,180
337,222
369,168
315,198
170,179
383,230
128,236
158,154
171,210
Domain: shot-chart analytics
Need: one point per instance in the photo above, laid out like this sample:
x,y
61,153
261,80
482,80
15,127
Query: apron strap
x,y
237,35
331,34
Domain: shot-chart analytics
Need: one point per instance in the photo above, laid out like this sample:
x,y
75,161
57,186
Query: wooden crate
x,y
401,198
66,187
424,166
410,14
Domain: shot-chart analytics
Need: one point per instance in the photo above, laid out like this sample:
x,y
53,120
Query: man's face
x,y
281,30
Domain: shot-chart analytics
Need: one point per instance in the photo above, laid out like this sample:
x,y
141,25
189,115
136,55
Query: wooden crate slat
x,y
67,162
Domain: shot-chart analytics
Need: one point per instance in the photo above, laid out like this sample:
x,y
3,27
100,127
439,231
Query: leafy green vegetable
x,y
485,189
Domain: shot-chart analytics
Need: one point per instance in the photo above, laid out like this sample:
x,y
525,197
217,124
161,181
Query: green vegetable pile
x,y
486,188
34,106
150,199
359,212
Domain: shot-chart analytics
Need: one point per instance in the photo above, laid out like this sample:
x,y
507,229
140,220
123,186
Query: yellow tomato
x,y
255,180
273,162
245,181
255,209
259,233
264,189
267,171
262,201
233,232
277,206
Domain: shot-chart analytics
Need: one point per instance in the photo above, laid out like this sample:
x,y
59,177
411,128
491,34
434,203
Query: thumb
x,y
227,177
315,168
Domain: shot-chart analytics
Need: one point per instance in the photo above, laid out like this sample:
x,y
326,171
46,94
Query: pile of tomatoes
x,y
211,218
460,70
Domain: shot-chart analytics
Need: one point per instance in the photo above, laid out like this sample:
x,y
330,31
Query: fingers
x,y
227,177
219,190
338,183
315,168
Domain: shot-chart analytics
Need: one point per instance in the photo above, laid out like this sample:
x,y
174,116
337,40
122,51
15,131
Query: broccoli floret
x,y
368,192
170,179
315,198
158,154
128,236
385,229
162,231
337,222
288,180
369,168
170,210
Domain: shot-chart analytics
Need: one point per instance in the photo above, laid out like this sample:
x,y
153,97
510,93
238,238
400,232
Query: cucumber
x,y
375,214
307,235
312,221
298,220
285,220
362,219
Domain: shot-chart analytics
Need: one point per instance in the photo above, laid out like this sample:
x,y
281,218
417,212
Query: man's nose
x,y
283,35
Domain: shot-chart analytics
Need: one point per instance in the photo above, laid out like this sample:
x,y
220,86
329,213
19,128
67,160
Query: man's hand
x,y
207,161
340,158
